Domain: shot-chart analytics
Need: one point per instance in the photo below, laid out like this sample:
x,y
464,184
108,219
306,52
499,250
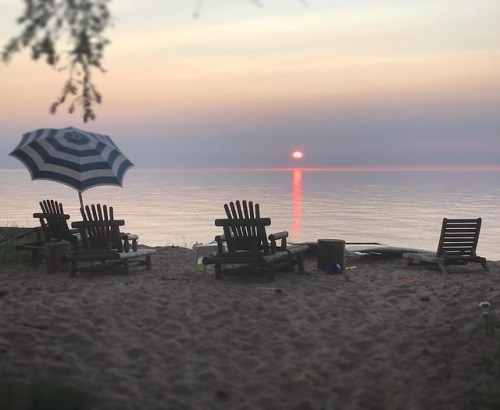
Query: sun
x,y
297,154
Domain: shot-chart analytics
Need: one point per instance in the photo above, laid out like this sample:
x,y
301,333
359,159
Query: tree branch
x,y
47,23
81,22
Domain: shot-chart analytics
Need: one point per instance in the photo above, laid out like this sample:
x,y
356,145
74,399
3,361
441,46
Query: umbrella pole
x,y
81,199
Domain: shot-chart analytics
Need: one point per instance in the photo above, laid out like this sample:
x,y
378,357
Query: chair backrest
x,y
244,229
53,221
459,237
97,212
99,230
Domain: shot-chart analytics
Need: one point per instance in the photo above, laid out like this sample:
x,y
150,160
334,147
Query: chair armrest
x,y
220,239
127,238
44,215
97,224
274,237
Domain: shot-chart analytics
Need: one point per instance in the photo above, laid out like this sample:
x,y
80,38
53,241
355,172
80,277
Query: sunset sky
x,y
352,83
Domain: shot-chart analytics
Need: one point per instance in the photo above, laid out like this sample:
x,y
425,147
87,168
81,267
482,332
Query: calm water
x,y
178,207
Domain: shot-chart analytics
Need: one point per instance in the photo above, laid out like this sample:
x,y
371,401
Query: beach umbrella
x,y
80,159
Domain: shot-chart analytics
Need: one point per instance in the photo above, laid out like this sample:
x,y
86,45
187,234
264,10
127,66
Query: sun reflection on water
x,y
297,202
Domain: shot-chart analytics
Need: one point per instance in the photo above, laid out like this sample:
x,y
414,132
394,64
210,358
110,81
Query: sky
x,y
352,83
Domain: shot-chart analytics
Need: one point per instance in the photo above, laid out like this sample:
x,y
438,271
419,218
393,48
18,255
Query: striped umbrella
x,y
74,157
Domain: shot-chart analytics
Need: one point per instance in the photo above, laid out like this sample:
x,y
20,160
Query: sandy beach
x,y
383,337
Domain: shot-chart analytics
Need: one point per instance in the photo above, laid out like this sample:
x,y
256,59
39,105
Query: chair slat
x,y
459,236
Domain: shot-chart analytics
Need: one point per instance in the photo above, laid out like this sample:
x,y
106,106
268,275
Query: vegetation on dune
x,y
10,237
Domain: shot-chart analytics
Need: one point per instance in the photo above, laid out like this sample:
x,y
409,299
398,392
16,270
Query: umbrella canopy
x,y
71,156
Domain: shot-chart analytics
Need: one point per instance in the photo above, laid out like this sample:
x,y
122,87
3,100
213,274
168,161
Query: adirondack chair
x,y
102,241
245,243
457,246
100,212
53,228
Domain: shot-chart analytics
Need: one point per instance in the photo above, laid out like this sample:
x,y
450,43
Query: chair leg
x,y
442,267
73,269
148,262
218,271
485,266
300,263
270,273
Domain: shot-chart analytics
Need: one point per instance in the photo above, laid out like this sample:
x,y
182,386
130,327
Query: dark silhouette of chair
x,y
246,244
100,212
53,228
457,245
102,241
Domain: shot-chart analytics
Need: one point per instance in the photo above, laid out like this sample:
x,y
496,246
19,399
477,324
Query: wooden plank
x,y
140,253
243,222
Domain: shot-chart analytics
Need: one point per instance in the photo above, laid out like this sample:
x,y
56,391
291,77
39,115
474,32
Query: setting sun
x,y
297,154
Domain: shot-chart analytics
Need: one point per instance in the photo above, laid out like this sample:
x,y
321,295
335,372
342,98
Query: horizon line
x,y
374,168
369,168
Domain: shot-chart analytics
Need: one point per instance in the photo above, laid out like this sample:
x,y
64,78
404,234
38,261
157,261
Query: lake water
x,y
178,207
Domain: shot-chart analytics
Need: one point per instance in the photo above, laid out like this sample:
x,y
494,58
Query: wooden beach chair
x,y
457,245
53,228
245,243
102,241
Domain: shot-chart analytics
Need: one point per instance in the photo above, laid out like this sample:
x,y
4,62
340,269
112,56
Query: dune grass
x,y
10,238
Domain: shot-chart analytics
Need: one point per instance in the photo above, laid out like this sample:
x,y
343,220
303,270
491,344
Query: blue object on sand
x,y
333,268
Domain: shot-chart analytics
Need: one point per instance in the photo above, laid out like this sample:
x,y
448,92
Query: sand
x,y
385,336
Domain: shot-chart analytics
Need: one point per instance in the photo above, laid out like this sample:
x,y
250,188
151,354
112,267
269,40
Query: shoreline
x,y
384,336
